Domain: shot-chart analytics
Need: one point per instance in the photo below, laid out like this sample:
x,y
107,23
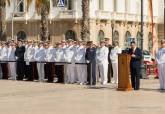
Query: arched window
x,y
21,35
21,6
70,35
138,39
116,36
101,35
150,42
128,39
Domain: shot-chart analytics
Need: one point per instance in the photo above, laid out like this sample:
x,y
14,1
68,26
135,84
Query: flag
x,y
152,23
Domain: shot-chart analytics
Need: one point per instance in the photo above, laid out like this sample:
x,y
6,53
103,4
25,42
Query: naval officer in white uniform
x,y
160,58
102,61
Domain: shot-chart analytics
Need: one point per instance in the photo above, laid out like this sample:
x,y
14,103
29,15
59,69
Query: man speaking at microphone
x,y
135,65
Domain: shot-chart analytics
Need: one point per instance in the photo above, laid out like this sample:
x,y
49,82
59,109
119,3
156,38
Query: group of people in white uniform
x,y
71,55
66,61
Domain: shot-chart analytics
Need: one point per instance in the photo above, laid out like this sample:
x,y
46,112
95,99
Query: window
x,y
21,6
70,35
21,35
101,4
69,4
150,41
138,39
115,5
128,39
55,2
116,36
101,35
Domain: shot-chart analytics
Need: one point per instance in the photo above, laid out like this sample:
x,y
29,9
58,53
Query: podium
x,y
124,81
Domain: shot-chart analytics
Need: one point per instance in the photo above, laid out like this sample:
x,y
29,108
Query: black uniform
x,y
110,70
91,66
19,53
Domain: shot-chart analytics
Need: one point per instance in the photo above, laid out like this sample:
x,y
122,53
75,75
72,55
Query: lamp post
x,y
142,25
12,21
164,19
112,25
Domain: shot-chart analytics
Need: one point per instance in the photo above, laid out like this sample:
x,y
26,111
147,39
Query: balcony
x,y
103,14
67,14
19,16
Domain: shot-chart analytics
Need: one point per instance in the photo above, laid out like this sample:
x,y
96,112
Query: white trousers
x,y
81,73
115,73
103,68
70,73
41,73
161,72
12,70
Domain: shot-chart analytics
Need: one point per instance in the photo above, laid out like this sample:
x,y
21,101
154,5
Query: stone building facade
x,y
117,19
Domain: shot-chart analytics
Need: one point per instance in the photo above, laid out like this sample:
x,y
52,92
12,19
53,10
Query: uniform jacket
x,y
102,55
90,54
29,54
11,54
69,54
4,54
19,53
40,54
50,54
80,55
160,56
136,61
114,54
59,55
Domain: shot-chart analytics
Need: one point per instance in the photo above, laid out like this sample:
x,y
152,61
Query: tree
x,y
43,8
85,33
3,18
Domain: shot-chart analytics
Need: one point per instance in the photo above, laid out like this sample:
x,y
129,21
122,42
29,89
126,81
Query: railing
x,y
103,14
67,14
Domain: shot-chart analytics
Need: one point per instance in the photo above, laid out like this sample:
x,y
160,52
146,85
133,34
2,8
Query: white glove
x,y
87,61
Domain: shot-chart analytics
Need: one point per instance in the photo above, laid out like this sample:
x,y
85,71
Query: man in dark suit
x,y
90,57
19,53
135,65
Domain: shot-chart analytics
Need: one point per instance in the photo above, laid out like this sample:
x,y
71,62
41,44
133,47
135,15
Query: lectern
x,y
124,82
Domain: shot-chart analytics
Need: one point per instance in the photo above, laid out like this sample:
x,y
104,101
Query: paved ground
x,y
44,98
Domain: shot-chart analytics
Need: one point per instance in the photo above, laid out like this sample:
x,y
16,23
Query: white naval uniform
x,y
160,58
69,56
81,68
4,54
102,61
29,54
12,65
49,54
40,57
59,55
114,60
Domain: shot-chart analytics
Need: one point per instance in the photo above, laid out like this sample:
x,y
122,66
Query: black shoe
x,y
136,89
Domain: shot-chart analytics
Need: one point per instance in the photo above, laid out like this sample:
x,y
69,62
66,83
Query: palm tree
x,y
3,18
85,33
43,8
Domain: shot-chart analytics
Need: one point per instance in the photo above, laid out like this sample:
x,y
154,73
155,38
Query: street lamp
x,y
12,22
142,25
164,19
112,25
